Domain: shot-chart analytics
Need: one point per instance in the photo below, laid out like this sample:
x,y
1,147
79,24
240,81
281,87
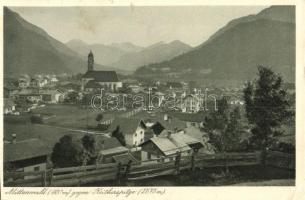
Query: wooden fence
x,y
126,115
76,176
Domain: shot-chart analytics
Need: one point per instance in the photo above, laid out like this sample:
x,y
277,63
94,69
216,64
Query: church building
x,y
95,80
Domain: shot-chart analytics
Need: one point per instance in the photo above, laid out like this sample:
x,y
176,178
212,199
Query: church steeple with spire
x,y
95,80
90,61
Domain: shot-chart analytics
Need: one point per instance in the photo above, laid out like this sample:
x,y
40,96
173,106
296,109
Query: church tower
x,y
90,61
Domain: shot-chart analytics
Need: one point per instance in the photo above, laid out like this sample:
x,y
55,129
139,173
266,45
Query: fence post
x,y
127,169
44,176
119,173
51,177
263,156
177,162
193,159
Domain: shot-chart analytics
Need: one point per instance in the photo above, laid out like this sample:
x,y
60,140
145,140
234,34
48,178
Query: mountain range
x,y
127,56
232,53
235,51
29,49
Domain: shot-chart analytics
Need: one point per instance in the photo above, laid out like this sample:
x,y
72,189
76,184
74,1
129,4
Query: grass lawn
x,y
56,116
72,116
49,135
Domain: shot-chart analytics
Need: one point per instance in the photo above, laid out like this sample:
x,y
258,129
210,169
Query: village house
x,y
192,119
54,80
52,96
111,150
93,79
168,145
9,106
133,130
191,104
32,97
38,82
135,88
25,156
24,82
159,122
174,85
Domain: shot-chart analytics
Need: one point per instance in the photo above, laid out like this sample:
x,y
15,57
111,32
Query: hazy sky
x,y
139,25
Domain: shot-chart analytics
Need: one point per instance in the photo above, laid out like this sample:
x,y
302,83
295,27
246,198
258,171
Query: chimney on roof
x,y
14,138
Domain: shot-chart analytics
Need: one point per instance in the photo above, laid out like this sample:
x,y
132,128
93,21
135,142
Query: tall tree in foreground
x,y
224,127
267,106
68,152
216,124
89,144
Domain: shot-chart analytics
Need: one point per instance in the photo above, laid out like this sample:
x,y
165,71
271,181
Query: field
x,y
58,121
48,134
72,116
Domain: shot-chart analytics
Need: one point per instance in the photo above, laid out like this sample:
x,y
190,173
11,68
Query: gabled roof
x,y
104,143
102,76
165,145
115,150
25,149
182,137
126,125
179,142
172,124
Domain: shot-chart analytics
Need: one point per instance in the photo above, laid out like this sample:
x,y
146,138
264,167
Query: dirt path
x,y
75,130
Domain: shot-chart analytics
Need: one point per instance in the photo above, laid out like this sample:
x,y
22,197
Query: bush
x,y
102,127
36,119
99,117
68,152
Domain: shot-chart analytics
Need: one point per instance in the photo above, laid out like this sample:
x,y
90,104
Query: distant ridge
x,y
127,56
234,52
155,53
29,49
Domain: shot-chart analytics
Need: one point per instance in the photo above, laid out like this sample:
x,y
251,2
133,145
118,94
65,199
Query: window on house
x,y
36,168
135,135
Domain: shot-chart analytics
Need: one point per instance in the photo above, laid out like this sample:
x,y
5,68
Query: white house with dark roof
x,y
95,80
132,128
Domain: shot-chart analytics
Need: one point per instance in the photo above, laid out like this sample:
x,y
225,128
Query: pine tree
x,y
267,106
